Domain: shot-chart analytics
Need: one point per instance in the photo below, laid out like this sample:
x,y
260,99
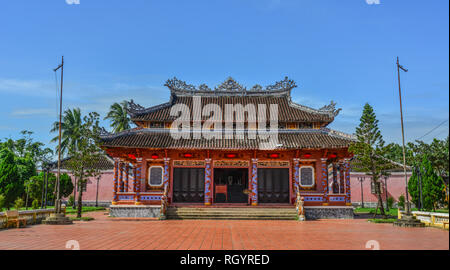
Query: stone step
x,y
232,209
233,218
231,213
228,214
227,211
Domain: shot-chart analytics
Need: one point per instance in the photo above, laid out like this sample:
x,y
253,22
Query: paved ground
x,y
107,233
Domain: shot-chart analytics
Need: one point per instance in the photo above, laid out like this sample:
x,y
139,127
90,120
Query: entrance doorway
x,y
188,185
273,185
229,185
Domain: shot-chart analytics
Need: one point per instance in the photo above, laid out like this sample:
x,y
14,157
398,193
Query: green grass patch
x,y
69,210
391,212
84,209
81,218
382,220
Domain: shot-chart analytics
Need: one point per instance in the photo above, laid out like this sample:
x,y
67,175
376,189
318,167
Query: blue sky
x,y
335,50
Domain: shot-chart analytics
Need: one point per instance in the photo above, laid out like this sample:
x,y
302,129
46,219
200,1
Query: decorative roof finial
x,y
230,85
331,108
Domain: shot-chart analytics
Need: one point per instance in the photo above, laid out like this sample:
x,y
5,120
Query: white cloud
x,y
372,2
33,112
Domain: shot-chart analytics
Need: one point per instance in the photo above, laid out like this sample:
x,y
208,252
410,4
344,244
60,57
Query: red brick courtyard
x,y
106,233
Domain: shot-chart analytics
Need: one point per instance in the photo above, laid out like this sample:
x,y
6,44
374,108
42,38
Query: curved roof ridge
x,y
340,134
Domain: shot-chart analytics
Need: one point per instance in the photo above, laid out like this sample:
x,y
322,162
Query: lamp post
x,y
408,207
361,180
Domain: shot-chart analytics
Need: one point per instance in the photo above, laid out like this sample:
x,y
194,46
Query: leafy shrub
x,y
70,201
18,203
390,202
401,202
2,202
35,204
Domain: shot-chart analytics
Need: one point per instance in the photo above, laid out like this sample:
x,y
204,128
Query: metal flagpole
x,y
408,208
58,199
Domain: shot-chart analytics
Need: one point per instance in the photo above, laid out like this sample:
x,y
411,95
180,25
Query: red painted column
x,y
116,171
324,171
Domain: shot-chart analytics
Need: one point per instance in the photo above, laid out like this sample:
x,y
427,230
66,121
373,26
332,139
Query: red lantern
x,y
307,155
230,155
188,155
274,155
155,156
131,156
332,156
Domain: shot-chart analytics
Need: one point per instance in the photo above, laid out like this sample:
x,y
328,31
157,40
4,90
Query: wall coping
x,y
134,206
422,213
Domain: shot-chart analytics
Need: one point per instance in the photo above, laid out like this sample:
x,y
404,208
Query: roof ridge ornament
x,y
230,85
176,84
134,107
103,132
331,108
257,88
286,83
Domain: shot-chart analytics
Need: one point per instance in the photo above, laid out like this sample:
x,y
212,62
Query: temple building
x,y
183,155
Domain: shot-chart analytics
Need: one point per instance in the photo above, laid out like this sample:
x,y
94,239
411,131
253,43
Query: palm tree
x,y
70,129
119,116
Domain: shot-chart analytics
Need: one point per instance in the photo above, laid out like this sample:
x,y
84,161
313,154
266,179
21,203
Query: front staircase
x,y
238,213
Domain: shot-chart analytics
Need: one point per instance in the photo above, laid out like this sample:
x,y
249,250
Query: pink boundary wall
x,y
395,187
105,189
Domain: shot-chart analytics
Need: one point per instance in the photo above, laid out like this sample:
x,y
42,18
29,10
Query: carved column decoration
x,y
166,181
324,180
208,195
335,178
116,173
254,181
137,180
134,177
127,177
348,200
341,177
121,165
297,175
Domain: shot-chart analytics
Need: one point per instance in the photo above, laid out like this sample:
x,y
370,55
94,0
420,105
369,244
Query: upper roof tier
x,y
231,92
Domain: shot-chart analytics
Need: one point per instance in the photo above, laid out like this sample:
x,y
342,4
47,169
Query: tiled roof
x,y
287,110
230,92
105,163
287,139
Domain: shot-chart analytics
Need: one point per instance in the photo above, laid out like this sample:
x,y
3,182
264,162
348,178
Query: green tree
x,y
85,156
413,188
70,130
10,187
371,151
118,115
433,186
36,185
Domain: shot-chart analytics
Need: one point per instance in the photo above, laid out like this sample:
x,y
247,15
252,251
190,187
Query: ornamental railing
x,y
431,218
164,202
31,216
